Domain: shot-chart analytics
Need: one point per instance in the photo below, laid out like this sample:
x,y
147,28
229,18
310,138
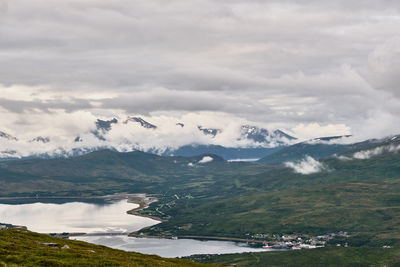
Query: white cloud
x,y
384,66
258,61
308,165
315,130
341,157
206,159
366,154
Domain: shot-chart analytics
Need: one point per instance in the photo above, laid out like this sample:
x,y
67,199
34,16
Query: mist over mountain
x,y
170,138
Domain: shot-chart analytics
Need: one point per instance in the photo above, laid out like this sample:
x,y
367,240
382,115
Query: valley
x,y
206,197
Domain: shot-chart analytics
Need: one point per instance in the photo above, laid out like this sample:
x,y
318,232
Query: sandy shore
x,y
144,202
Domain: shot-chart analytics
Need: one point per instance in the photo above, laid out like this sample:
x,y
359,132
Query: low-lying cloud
x,y
367,154
308,165
206,159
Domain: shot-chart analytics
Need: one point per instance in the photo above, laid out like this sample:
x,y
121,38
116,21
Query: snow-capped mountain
x,y
163,137
141,121
209,131
263,136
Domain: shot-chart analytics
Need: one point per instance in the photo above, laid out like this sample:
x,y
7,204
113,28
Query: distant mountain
x,y
261,135
7,136
102,127
209,131
268,142
254,142
105,126
141,121
40,139
318,148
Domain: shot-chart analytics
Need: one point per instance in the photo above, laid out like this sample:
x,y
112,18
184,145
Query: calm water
x,y
167,247
100,216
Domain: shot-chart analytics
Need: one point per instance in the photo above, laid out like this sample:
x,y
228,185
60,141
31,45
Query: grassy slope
x,y
356,195
319,150
364,208
23,248
330,256
96,173
360,196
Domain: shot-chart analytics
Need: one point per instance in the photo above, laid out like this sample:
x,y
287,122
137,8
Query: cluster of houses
x,y
297,241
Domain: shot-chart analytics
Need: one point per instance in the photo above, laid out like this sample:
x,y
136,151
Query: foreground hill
x,y
24,248
331,256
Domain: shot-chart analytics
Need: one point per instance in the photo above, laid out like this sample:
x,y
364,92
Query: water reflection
x,y
107,217
167,247
74,217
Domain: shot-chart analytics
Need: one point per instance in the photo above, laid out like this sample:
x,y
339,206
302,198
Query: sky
x,y
311,68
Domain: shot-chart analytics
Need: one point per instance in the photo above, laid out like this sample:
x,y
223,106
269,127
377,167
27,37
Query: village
x,y
296,241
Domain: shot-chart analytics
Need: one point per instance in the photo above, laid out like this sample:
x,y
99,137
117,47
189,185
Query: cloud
x,y
316,67
366,154
206,159
315,130
384,66
308,165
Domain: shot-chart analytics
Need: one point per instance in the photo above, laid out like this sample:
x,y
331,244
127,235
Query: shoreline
x,y
113,196
144,202
195,237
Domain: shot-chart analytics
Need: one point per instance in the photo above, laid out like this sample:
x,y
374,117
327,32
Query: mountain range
x,y
252,142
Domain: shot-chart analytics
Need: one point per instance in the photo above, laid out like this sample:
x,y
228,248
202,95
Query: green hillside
x,y
102,172
331,256
355,195
367,210
24,248
318,149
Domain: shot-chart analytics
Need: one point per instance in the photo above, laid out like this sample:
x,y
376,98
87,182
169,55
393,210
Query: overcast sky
x,y
312,68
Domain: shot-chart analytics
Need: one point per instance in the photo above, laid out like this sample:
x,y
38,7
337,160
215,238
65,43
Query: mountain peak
x,y
7,136
40,139
142,122
105,126
209,131
261,135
